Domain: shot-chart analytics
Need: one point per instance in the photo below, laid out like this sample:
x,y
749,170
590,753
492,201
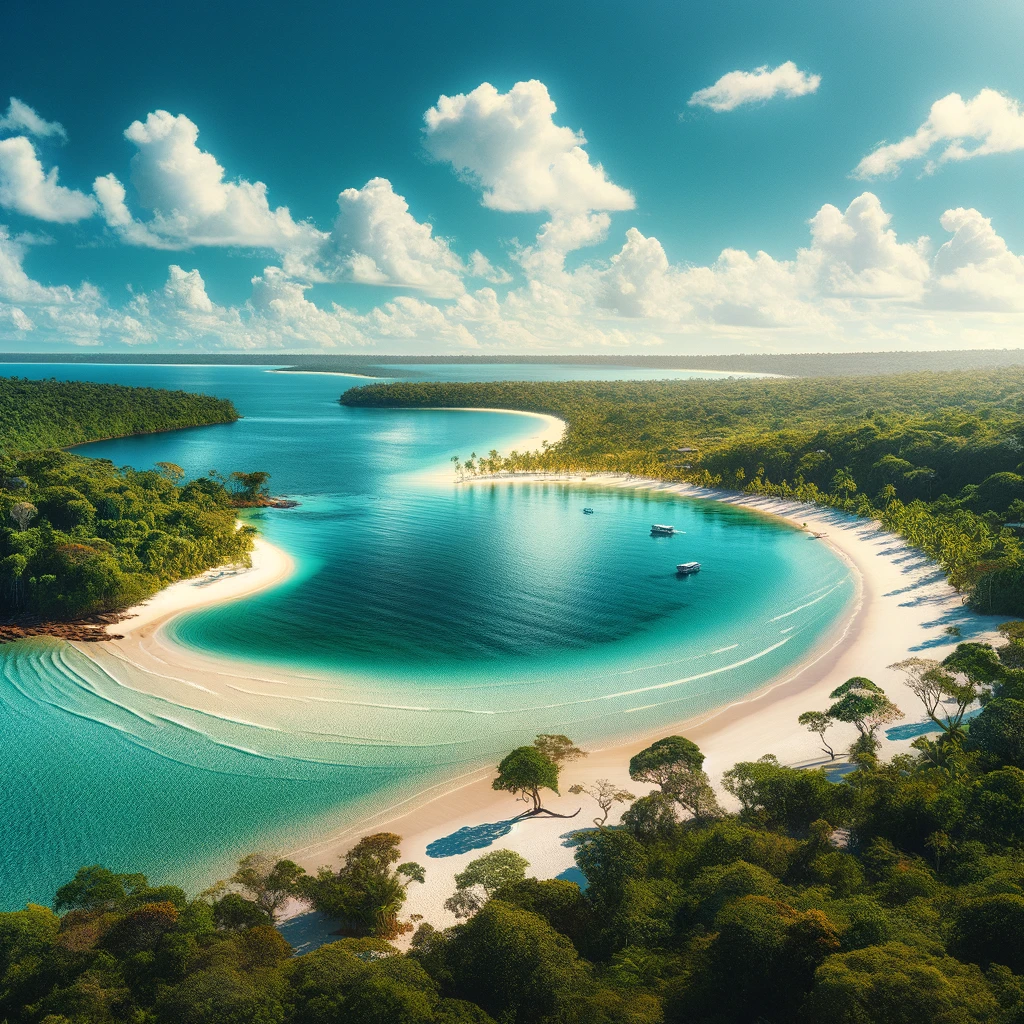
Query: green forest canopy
x,y
80,536
55,413
938,457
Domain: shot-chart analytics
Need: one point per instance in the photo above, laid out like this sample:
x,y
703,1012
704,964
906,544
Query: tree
x,y
674,765
934,685
843,481
171,471
525,772
898,984
860,702
514,965
482,878
999,730
988,930
367,890
558,748
23,512
269,883
665,760
777,797
818,723
606,793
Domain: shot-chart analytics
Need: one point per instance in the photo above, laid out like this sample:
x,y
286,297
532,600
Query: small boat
x,y
687,568
658,530
588,511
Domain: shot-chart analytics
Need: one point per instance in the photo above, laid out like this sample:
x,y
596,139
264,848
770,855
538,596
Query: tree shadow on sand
x,y
472,837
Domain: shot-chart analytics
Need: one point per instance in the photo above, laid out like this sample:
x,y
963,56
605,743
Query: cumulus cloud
x,y
860,255
190,202
378,241
975,269
480,266
855,281
509,145
28,189
20,117
959,129
739,87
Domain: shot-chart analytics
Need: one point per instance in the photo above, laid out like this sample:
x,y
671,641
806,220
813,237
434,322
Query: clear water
x,y
429,628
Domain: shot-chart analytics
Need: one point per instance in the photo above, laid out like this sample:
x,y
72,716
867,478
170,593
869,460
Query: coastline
x,y
552,430
269,566
902,608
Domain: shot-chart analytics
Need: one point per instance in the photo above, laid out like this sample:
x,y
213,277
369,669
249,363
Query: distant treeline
x,y
813,364
38,414
937,457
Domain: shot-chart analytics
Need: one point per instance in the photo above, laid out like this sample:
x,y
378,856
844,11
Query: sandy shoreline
x,y
270,565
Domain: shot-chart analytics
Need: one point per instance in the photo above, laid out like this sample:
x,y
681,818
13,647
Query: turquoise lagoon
x,y
429,627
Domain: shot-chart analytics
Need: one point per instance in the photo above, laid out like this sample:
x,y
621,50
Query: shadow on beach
x,y
471,837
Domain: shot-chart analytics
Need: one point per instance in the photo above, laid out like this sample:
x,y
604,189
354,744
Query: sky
x,y
648,178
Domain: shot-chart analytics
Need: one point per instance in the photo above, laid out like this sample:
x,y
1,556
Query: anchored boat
x,y
687,568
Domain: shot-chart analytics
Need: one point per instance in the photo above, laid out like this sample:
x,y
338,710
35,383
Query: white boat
x,y
687,568
662,531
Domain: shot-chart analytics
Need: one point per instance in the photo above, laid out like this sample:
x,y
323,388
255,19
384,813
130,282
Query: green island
x,y
893,893
80,537
936,457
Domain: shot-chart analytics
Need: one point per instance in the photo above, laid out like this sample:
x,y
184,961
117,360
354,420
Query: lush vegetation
x,y
937,457
895,895
79,536
55,414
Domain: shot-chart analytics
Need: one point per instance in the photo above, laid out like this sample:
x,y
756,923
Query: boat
x,y
687,568
588,511
658,530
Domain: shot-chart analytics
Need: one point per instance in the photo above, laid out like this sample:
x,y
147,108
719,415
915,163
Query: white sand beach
x,y
550,431
269,566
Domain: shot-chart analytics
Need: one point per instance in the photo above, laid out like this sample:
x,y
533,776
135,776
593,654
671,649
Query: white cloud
x,y
17,286
975,269
963,129
860,255
20,117
509,145
738,87
26,188
190,201
854,284
480,266
378,241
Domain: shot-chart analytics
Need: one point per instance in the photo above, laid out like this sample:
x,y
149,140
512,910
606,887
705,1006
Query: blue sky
x,y
647,221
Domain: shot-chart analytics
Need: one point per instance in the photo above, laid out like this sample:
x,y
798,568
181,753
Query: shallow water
x,y
429,628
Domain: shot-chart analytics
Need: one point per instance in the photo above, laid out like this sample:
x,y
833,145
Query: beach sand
x,y
270,565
